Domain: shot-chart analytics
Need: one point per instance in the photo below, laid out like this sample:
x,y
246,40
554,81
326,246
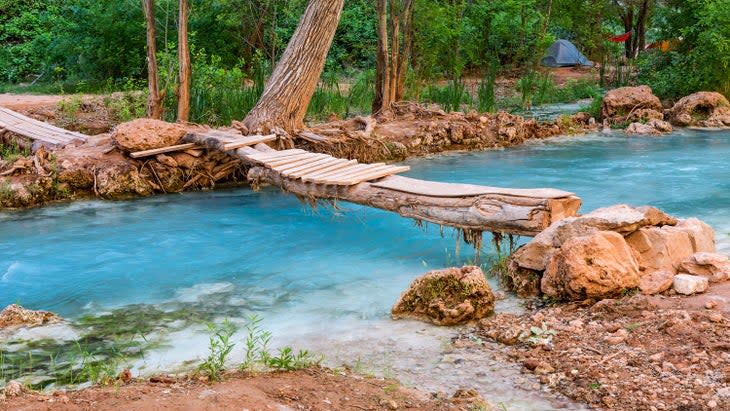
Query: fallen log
x,y
471,208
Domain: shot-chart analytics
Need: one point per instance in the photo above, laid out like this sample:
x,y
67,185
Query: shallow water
x,y
325,280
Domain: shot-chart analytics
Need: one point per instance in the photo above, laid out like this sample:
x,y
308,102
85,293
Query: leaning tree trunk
x,y
183,54
154,99
291,86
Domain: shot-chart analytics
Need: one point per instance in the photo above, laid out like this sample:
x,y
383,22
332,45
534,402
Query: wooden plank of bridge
x,y
155,151
248,141
311,167
37,130
311,177
338,162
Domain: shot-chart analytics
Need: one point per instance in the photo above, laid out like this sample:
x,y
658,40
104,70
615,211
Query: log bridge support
x,y
470,208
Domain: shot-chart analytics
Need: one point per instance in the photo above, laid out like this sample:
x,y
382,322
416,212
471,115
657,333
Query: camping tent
x,y
563,53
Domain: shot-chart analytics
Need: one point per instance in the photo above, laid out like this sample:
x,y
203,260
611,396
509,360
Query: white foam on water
x,y
58,332
9,271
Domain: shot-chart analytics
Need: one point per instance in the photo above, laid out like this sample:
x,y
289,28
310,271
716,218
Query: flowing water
x,y
322,279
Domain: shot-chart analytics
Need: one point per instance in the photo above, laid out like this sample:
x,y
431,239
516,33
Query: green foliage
x,y
287,360
219,346
256,344
701,60
12,151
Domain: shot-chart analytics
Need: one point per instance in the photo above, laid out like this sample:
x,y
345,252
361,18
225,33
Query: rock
x,y
17,316
663,248
702,109
523,281
471,399
599,265
640,128
146,134
656,282
652,127
716,267
166,160
619,103
621,218
690,284
446,297
13,389
185,160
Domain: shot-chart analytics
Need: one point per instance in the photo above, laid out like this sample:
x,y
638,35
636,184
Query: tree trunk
x,y
287,95
183,54
382,62
628,20
400,90
154,98
641,28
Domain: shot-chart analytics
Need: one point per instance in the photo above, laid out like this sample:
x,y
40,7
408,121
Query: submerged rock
x,y
652,127
702,109
446,297
146,134
17,316
598,265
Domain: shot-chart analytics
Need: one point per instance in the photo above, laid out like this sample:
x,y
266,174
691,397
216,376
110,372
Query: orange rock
x,y
716,267
146,134
656,282
599,265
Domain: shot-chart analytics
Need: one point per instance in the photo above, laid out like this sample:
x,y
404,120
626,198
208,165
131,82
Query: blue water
x,y
82,257
309,273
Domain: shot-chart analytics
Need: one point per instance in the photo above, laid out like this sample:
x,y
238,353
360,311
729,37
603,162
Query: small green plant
x,y
631,327
595,385
256,344
538,335
12,151
287,360
220,347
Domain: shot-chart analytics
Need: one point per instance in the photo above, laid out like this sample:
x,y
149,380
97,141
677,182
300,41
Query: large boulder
x,y
621,218
716,267
16,316
598,265
446,297
664,248
631,104
147,134
703,109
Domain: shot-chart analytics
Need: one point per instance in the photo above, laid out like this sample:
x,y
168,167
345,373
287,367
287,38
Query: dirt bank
x,y
634,353
310,389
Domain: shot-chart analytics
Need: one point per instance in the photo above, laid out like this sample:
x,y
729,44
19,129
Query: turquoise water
x,y
323,278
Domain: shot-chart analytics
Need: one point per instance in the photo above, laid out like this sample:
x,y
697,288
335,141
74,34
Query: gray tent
x,y
563,53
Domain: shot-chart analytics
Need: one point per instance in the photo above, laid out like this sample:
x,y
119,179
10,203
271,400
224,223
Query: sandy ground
x,y
311,389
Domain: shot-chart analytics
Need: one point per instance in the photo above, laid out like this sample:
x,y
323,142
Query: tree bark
x,y
183,54
288,92
154,97
382,62
392,58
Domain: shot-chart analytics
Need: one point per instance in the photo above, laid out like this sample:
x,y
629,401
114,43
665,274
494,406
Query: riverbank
x,y
310,389
664,352
102,168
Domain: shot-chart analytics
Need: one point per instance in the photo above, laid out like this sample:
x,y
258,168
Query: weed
x,y
12,151
257,341
538,336
287,360
595,385
631,327
220,347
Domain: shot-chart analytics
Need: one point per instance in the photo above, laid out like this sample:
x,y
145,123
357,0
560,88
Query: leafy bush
x,y
220,347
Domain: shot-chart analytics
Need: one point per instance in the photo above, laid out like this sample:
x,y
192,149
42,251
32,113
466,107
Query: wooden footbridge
x,y
471,208
49,135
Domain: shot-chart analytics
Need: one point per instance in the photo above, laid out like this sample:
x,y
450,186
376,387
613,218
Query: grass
x,y
12,151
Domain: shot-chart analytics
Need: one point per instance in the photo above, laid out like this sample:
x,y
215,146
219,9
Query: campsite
x,y
365,205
